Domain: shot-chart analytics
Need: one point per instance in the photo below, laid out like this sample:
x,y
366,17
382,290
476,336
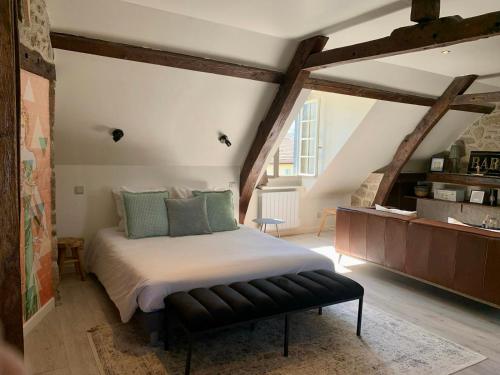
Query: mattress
x,y
140,273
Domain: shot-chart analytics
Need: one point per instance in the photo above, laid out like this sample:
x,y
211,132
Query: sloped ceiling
x,y
172,116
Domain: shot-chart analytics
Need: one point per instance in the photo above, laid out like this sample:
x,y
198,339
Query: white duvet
x,y
141,273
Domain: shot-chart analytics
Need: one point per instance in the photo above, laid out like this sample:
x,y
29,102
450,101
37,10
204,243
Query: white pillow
x,y
395,211
120,209
181,192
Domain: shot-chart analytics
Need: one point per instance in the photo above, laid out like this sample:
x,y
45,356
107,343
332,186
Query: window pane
x,y
288,152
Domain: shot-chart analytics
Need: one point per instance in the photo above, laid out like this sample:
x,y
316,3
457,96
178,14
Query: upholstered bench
x,y
221,306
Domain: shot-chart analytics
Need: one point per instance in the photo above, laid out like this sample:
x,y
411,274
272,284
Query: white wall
x,y
83,215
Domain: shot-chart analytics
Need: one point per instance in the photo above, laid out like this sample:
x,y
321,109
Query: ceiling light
x,y
445,52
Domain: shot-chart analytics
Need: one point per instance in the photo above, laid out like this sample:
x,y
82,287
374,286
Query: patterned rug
x,y
319,345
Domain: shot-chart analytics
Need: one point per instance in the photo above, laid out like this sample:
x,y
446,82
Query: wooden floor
x,y
59,344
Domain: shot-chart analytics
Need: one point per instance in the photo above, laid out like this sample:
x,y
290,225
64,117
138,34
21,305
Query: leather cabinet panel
x,y
375,239
357,234
441,261
342,228
395,244
470,263
492,273
417,250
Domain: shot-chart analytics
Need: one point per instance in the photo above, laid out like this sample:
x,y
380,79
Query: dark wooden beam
x,y
484,97
32,62
412,141
159,57
388,95
274,121
424,10
434,34
11,315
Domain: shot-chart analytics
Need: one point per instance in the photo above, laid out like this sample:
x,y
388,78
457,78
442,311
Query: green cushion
x,y
146,214
220,208
187,216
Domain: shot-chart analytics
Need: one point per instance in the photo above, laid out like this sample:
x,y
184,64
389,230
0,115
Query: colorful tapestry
x,y
35,163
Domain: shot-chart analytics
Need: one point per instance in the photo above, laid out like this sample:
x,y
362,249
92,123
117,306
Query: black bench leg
x,y
188,358
287,332
360,314
320,311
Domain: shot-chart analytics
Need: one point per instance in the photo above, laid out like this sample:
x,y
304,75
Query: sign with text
x,y
484,162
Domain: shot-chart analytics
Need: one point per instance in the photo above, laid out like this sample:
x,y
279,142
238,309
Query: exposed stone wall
x,y
482,135
34,32
364,196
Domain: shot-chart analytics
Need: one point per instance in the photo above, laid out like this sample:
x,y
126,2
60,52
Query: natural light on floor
x,y
346,261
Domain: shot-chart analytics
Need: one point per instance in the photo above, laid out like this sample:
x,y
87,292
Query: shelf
x,y
465,179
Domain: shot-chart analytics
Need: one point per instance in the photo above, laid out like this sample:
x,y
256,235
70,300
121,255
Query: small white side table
x,y
264,221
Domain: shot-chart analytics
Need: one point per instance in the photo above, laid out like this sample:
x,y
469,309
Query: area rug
x,y
325,344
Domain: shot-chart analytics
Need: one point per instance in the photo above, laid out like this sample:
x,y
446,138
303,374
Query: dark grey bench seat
x,y
205,309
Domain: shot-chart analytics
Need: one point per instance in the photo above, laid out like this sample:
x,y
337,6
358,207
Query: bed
x,y
139,274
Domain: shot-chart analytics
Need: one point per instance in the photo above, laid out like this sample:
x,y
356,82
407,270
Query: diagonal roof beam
x,y
345,88
274,121
411,142
480,98
426,35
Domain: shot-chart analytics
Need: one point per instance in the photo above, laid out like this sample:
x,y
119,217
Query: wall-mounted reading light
x,y
224,139
117,134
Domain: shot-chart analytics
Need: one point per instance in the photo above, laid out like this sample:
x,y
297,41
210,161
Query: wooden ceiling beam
x,y
11,307
275,119
484,97
425,10
146,55
411,142
345,88
433,34
129,52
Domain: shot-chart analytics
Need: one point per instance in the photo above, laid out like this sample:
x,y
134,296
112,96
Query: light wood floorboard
x,y
59,344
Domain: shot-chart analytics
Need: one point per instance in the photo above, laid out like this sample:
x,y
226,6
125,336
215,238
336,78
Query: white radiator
x,y
280,205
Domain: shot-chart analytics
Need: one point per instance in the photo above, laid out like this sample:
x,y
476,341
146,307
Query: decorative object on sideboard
x,y
484,163
437,164
492,198
477,196
223,138
456,152
422,191
117,134
452,195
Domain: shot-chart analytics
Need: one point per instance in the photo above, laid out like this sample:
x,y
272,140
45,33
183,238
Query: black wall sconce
x,y
224,139
117,134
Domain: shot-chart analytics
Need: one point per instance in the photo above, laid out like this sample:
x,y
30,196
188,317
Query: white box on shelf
x,y
453,195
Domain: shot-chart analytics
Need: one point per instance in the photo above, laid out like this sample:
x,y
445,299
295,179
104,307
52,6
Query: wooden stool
x,y
326,212
74,246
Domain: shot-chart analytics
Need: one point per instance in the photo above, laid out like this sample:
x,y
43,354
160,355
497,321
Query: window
x,y
297,154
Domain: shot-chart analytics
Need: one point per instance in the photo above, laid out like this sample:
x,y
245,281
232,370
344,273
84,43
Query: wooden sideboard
x,y
462,259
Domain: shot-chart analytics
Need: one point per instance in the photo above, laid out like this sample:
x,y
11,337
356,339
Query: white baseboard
x,y
39,315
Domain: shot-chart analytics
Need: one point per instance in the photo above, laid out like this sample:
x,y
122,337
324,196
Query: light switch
x,y
79,190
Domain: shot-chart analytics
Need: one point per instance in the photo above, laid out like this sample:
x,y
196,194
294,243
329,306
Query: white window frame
x,y
299,155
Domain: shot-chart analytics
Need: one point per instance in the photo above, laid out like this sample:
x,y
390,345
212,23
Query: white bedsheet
x,y
141,273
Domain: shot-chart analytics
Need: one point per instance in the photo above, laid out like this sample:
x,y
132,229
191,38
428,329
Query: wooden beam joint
x,y
424,10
